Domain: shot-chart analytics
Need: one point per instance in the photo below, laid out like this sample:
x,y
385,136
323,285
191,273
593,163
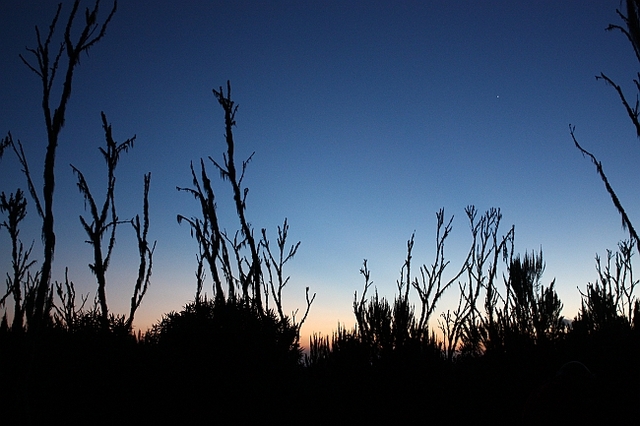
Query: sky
x,y
365,118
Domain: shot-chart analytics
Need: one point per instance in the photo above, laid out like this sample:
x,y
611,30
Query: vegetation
x,y
505,353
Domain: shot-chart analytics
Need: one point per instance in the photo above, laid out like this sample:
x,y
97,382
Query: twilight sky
x,y
366,118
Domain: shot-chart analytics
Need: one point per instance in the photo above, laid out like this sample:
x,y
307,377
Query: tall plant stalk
x,y
48,61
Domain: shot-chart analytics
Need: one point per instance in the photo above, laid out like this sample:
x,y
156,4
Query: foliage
x,y
610,304
227,329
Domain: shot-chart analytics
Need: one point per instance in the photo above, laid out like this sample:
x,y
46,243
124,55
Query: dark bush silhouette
x,y
227,329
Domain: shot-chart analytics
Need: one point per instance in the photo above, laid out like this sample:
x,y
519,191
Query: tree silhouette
x,y
104,219
229,172
276,265
631,30
48,62
16,209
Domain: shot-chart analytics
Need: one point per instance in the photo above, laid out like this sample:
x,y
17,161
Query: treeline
x,y
510,357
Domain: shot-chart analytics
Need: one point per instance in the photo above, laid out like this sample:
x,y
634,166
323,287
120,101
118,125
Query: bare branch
x,y
22,159
626,222
146,255
278,264
4,144
206,231
228,172
632,112
632,21
306,311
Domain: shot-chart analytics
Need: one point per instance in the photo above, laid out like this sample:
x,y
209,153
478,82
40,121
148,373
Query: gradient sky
x,y
366,118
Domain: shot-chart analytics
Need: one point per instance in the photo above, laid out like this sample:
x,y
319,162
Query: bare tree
x,y
48,62
430,288
276,265
219,250
486,253
104,221
145,252
452,323
631,30
16,209
212,239
618,280
103,218
207,232
229,172
67,314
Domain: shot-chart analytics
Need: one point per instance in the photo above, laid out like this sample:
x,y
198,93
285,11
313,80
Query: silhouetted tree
x,y
229,172
212,240
619,278
68,315
206,230
533,312
215,245
15,208
610,302
598,310
277,265
631,30
145,253
104,219
430,288
233,268
465,323
476,330
49,61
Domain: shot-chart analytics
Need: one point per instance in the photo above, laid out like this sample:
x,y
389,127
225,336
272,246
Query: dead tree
x,y
48,63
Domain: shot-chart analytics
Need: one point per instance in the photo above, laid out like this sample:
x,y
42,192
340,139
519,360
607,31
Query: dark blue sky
x,y
366,118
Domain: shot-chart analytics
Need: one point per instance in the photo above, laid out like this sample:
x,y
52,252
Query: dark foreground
x,y
79,378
